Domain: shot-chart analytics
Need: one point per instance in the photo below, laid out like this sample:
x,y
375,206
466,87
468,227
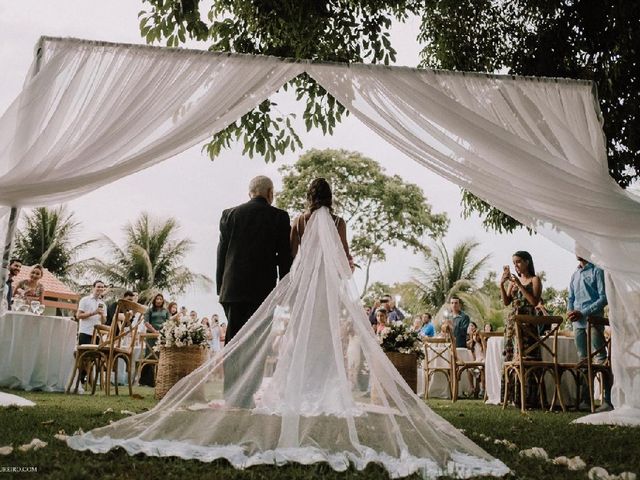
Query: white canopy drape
x,y
534,148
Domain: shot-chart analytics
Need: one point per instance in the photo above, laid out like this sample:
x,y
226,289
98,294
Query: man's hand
x,y
574,315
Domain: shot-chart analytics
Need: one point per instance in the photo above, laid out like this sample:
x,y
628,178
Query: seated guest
x,y
474,343
91,312
15,265
193,316
416,325
427,330
487,328
172,308
32,288
381,320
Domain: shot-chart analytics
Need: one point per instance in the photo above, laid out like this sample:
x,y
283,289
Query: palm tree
x,y
47,238
150,261
444,276
484,309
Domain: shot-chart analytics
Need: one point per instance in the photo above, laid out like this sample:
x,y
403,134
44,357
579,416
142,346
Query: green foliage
x,y
151,260
411,302
380,210
339,31
444,275
575,39
47,238
484,305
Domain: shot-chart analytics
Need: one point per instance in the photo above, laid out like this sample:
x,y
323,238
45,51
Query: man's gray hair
x,y
259,186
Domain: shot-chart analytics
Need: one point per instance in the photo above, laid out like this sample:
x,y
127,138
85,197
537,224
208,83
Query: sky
x,y
195,190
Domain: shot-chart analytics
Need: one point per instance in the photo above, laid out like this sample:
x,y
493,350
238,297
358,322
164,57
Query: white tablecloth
x,y
493,369
438,386
36,352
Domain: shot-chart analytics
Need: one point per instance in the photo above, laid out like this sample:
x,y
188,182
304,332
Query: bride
x,y
307,356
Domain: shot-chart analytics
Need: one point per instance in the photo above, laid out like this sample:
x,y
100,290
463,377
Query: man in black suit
x,y
253,252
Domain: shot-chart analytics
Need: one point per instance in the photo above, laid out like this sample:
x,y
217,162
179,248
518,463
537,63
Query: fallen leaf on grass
x,y
484,437
108,410
79,432
127,412
6,450
47,422
137,396
35,444
535,452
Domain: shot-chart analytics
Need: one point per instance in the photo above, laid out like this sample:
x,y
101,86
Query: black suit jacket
x,y
253,250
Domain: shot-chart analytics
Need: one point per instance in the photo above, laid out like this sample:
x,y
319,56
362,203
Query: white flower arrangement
x,y
175,333
398,337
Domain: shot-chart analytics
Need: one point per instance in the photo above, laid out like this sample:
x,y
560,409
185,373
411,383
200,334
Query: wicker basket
x,y
407,366
176,363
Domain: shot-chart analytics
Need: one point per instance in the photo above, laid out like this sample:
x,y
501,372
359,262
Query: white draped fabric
x,y
534,148
305,381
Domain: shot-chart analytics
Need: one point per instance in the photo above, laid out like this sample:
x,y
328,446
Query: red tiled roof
x,y
49,281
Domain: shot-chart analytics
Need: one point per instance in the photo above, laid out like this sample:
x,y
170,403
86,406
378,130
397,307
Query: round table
x,y
36,352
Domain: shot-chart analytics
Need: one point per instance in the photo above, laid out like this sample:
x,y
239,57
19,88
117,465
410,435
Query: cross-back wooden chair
x,y
595,367
92,359
460,366
148,356
124,331
529,359
438,350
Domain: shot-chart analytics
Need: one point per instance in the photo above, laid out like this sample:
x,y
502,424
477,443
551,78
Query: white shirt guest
x,y
91,312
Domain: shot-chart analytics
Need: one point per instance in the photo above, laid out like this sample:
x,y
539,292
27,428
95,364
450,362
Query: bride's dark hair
x,y
319,195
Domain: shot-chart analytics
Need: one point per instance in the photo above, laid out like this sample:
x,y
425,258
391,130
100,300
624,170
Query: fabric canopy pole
x,y
534,148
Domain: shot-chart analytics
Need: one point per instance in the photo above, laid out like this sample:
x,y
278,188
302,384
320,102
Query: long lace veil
x,y
310,384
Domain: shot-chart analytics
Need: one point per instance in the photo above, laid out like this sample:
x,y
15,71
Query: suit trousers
x,y
236,363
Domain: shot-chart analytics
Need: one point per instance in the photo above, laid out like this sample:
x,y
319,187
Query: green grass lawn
x,y
615,448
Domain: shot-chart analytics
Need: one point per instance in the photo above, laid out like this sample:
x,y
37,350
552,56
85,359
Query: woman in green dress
x,y
154,318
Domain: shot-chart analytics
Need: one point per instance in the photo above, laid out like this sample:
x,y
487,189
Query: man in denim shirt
x,y
587,297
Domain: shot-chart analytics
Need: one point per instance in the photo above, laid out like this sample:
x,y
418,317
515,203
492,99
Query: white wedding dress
x,y
307,382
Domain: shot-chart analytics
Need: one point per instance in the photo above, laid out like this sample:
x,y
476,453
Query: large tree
x,y
150,261
447,274
340,31
566,38
587,39
47,236
380,210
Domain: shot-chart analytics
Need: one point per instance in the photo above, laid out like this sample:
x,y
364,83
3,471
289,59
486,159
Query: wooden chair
x,y
460,366
92,359
484,339
529,359
124,331
148,356
438,349
594,367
